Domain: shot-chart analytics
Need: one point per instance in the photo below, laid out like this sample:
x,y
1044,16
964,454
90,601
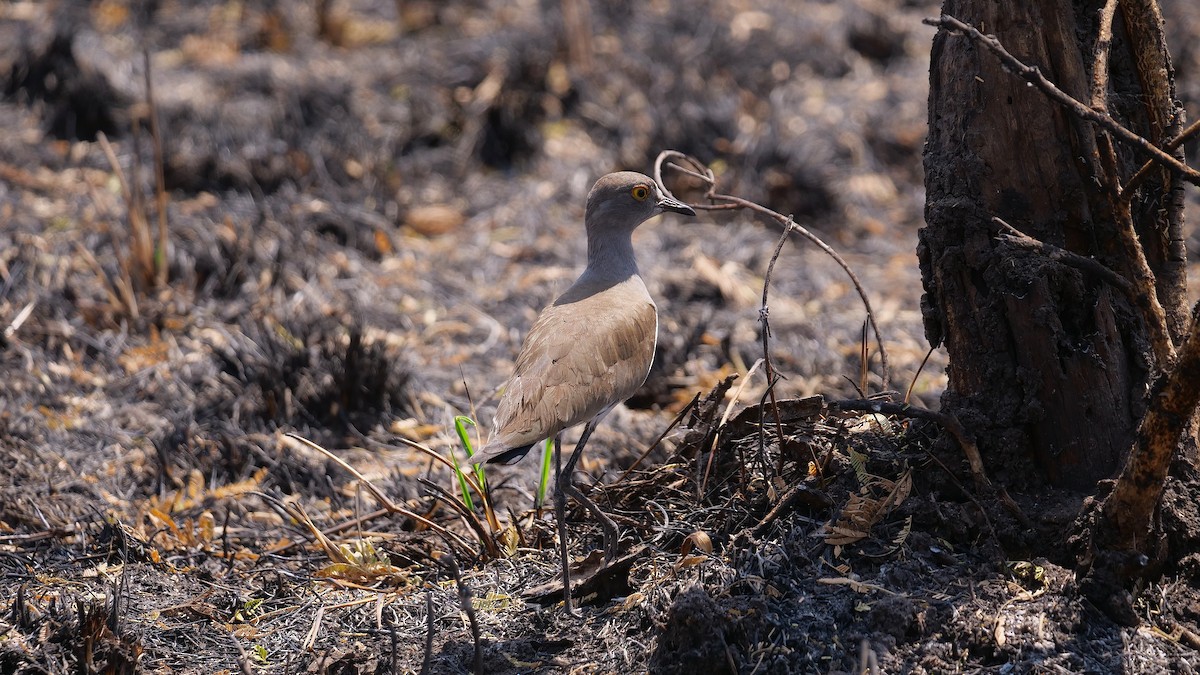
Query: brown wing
x,y
571,368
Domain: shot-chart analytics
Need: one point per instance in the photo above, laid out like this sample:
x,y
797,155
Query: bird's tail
x,y
497,453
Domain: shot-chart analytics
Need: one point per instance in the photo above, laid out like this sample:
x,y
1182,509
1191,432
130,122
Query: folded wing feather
x,y
582,355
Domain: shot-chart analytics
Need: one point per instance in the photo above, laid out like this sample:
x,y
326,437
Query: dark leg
x,y
560,515
611,534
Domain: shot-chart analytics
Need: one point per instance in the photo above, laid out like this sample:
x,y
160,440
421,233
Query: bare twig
x,y
723,202
1033,75
963,489
425,663
764,314
1145,293
1142,173
864,353
800,492
674,423
464,601
1017,238
394,639
1100,60
1172,405
762,438
244,663
908,392
160,183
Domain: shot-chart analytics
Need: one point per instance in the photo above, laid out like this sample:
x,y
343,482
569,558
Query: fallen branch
x,y
952,426
1019,239
947,421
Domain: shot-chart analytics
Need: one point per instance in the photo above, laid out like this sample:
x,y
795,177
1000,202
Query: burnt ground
x,y
364,213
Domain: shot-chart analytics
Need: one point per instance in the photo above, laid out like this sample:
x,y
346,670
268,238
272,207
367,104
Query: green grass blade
x,y
460,425
545,479
462,483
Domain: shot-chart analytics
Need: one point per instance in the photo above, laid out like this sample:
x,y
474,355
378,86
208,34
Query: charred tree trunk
x,y
1047,363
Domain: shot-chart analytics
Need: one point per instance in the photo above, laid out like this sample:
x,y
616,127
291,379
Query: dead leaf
x,y
433,220
697,540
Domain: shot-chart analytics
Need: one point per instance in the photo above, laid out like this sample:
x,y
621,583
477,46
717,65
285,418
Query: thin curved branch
x,y
1019,239
730,202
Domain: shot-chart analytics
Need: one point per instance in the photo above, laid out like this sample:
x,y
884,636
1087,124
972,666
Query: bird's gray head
x,y
621,201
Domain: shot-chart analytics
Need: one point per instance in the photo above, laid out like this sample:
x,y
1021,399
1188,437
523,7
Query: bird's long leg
x,y
611,534
560,515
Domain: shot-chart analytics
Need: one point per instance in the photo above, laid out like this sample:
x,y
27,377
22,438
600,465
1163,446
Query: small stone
x,y
434,219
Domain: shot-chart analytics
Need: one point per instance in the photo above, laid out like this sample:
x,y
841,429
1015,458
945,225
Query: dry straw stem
x,y
19,320
442,495
737,395
160,181
141,247
147,252
296,512
120,295
383,499
122,285
467,475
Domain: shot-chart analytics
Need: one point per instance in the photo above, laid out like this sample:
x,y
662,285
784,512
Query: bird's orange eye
x,y
640,193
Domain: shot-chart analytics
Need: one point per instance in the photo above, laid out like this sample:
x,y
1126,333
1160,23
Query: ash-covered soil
x,y
366,207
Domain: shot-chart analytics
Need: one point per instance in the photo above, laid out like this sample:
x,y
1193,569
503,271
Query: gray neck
x,y
610,256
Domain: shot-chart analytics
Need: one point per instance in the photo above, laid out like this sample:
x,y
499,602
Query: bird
x,y
587,351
